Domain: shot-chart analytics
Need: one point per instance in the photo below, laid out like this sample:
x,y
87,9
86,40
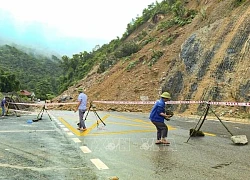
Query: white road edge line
x,y
70,134
76,140
12,131
99,164
85,149
66,129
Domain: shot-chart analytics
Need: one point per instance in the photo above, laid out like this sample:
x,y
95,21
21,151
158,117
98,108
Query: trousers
x,y
3,110
81,121
162,129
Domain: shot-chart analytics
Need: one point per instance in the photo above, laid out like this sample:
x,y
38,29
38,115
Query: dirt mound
x,y
200,64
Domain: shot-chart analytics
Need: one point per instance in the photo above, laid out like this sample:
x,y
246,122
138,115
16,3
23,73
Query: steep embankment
x,y
208,60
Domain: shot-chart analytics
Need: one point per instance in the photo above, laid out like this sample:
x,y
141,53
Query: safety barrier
x,y
178,102
143,102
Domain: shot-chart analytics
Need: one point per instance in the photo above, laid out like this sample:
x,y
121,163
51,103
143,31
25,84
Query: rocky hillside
x,y
207,59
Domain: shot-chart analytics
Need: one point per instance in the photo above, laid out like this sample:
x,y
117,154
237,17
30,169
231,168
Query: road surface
x,y
123,147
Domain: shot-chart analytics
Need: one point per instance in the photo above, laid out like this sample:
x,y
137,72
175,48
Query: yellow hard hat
x,y
166,95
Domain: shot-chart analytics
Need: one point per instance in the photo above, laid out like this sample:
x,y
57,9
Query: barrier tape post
x,y
93,107
41,114
197,132
193,131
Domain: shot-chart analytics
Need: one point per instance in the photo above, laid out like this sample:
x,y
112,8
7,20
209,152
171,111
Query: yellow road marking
x,y
128,131
121,117
77,132
142,121
129,124
209,134
129,119
87,132
93,126
121,132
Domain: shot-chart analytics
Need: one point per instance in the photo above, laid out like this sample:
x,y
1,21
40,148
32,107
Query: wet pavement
x,y
39,150
123,147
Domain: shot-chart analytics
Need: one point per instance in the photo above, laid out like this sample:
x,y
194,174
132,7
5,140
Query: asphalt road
x,y
39,150
123,147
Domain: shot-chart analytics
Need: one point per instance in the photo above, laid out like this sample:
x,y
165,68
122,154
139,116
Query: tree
x,y
8,82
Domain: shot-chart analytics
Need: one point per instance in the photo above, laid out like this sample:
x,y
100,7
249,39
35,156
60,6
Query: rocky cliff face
x,y
208,60
216,61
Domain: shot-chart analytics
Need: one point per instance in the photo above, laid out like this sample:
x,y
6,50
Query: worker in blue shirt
x,y
157,117
3,106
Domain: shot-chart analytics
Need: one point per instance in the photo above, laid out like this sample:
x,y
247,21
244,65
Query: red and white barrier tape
x,y
230,103
125,102
44,104
143,102
177,102
21,111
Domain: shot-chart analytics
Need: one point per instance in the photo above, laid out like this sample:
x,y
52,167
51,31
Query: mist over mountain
x,y
41,37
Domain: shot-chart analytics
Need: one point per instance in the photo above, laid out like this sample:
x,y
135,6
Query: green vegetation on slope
x,y
8,81
36,74
79,65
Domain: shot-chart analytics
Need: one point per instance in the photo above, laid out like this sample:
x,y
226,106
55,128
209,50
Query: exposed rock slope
x,y
208,60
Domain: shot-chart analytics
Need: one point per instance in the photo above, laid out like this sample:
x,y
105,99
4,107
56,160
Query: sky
x,y
67,26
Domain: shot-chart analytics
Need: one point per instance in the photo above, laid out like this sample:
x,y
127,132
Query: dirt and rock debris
x,y
208,60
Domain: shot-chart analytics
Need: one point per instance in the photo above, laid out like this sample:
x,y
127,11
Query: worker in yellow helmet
x,y
157,117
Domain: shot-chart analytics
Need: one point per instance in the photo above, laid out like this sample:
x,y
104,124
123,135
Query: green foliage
x,y
131,65
203,14
142,35
29,70
178,20
42,89
237,3
75,68
8,81
182,16
157,54
127,49
166,24
170,2
50,96
178,9
125,59
175,6
155,57
79,65
169,40
107,55
132,26
47,77
146,41
106,63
